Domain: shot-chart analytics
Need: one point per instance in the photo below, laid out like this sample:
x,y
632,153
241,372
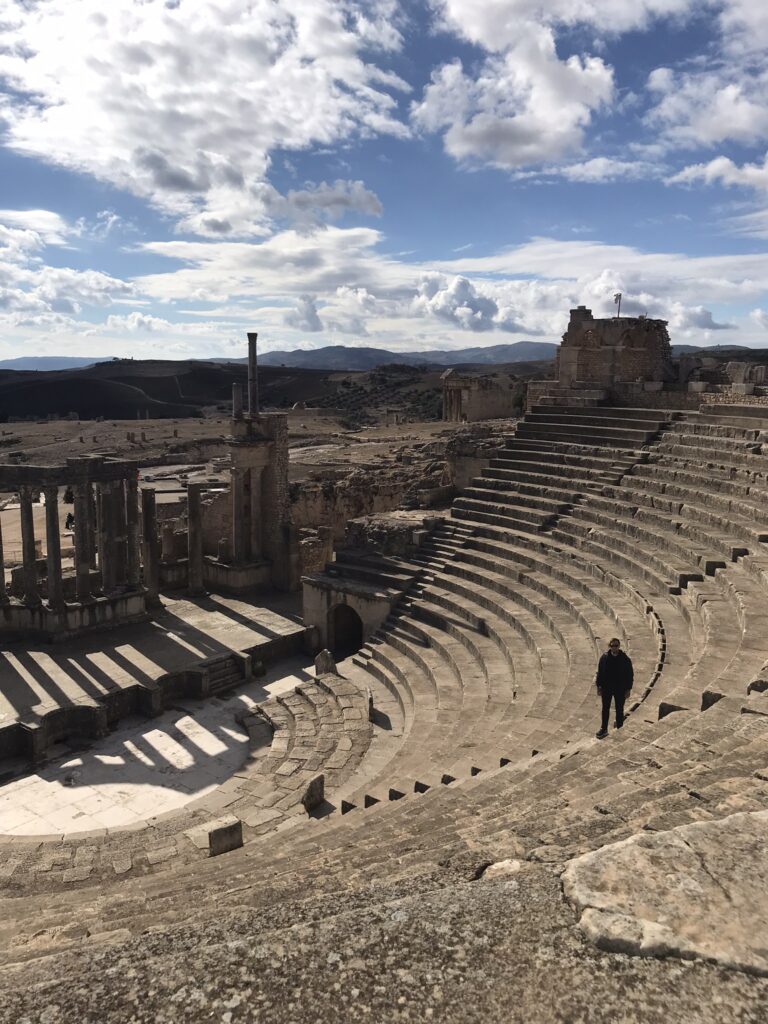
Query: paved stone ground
x,y
42,677
442,948
143,768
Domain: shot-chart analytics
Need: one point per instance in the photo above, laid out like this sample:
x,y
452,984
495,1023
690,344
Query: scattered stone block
x,y
224,835
314,794
502,869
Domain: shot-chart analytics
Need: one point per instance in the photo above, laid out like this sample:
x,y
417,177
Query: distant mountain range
x,y
48,362
343,357
679,350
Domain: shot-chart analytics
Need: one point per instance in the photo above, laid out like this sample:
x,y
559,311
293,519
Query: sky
x,y
409,174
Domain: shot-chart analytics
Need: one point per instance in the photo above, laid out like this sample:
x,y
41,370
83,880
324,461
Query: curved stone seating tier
x,y
571,535
321,728
651,776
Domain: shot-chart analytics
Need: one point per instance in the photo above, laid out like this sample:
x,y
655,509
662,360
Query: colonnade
x,y
107,531
452,401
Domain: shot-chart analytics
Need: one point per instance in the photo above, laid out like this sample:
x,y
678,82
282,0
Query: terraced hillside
x,y
592,522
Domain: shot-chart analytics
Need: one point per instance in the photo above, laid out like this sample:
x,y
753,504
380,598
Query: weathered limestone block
x,y
694,891
325,663
224,835
314,794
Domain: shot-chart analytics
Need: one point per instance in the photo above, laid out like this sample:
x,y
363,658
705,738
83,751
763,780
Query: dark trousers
x,y
608,694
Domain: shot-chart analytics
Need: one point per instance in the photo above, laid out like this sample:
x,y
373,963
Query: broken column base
x,y
21,622
223,576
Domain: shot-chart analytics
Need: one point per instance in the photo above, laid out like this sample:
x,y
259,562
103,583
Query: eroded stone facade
x,y
605,351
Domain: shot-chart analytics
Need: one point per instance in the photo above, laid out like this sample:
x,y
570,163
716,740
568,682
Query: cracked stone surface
x,y
437,948
695,891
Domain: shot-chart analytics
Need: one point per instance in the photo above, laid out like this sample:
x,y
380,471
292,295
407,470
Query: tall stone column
x,y
91,520
253,380
194,540
237,401
84,540
104,504
31,592
4,599
133,567
119,532
150,547
239,532
53,548
255,513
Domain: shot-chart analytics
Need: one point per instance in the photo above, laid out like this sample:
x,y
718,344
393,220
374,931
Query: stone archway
x,y
345,631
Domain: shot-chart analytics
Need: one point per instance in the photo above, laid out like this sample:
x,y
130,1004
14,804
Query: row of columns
x,y
114,533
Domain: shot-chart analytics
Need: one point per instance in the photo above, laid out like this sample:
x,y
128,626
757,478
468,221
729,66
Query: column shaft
x,y
237,401
84,541
53,548
253,380
150,547
119,536
255,513
133,573
106,552
238,517
29,555
3,592
194,540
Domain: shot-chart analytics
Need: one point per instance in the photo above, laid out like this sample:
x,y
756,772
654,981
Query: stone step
x,y
618,438
603,419
617,413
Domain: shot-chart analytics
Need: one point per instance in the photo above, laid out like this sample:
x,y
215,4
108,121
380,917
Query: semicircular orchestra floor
x,y
143,768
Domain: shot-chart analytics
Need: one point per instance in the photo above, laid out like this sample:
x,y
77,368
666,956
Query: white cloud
x,y
524,107
498,24
136,322
461,303
50,228
184,103
33,293
304,317
724,171
707,107
602,169
760,317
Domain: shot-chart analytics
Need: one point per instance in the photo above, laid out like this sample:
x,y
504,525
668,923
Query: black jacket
x,y
614,671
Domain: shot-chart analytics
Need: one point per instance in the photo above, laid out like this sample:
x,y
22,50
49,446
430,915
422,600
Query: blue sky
x,y
402,173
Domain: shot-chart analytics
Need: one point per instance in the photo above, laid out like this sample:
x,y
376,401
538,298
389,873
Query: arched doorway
x,y
345,631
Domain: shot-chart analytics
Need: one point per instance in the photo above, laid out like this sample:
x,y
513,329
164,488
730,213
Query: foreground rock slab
x,y
695,891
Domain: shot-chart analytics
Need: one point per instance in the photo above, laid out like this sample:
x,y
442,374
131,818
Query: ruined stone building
x,y
613,349
470,397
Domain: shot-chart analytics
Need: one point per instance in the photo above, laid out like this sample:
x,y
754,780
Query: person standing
x,y
614,679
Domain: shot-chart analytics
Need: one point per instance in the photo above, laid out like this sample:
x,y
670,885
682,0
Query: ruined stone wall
x,y
333,502
605,351
469,452
315,549
216,520
491,403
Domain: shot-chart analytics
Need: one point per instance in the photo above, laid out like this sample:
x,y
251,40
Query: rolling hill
x,y
344,357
